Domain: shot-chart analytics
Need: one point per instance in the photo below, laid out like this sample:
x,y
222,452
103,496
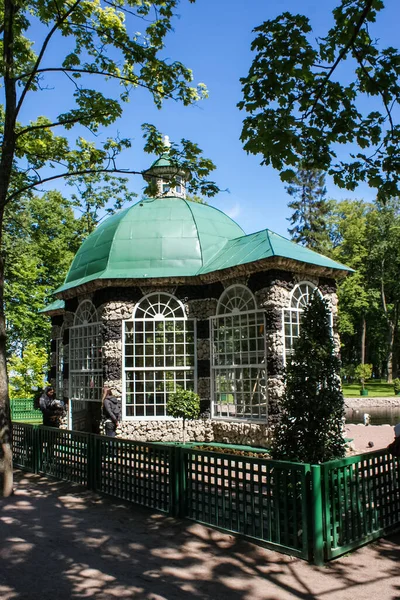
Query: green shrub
x,y
183,404
363,372
396,385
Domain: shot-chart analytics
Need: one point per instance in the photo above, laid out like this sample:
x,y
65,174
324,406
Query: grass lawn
x,y
375,390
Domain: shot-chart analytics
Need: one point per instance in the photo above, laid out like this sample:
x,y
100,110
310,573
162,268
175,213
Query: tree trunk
x,y
396,351
392,324
363,337
390,354
5,416
6,165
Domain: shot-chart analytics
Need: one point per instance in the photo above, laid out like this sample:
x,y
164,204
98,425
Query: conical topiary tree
x,y
311,425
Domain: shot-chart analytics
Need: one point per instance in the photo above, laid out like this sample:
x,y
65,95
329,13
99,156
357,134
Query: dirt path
x,y
61,542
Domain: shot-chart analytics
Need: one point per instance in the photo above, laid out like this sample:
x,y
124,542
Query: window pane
x,y
238,364
168,344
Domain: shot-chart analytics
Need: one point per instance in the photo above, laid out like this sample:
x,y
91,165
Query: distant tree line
x,y
366,237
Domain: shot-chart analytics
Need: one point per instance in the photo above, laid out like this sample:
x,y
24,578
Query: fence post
x,y
317,519
173,481
36,449
178,482
91,461
182,456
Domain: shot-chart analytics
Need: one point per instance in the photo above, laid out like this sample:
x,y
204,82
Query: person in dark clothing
x,y
50,407
111,412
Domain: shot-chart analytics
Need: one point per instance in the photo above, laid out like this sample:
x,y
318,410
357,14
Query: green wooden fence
x,y
138,472
316,512
142,473
261,499
361,500
22,410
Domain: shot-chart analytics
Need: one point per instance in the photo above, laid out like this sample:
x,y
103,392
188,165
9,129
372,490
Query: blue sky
x,y
213,38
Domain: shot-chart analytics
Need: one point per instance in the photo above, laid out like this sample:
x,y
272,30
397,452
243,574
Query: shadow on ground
x,y
59,541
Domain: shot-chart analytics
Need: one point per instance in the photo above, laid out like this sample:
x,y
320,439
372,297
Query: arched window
x,y
159,355
235,299
60,364
238,357
85,351
299,298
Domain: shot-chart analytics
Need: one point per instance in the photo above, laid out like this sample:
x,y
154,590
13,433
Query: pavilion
x,y
170,292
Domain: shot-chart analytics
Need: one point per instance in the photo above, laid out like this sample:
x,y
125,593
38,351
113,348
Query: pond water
x,y
378,415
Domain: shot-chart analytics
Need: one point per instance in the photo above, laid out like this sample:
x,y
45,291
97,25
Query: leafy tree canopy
x,y
41,238
101,43
27,372
304,107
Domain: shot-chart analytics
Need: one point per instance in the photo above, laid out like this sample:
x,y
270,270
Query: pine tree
x,y
310,210
311,426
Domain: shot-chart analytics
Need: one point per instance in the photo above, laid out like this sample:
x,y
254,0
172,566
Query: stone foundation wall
x,y
206,430
364,401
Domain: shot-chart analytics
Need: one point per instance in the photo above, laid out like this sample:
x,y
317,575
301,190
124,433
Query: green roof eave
x,y
57,305
262,245
149,273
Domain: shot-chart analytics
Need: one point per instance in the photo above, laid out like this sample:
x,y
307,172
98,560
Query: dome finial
x,y
167,143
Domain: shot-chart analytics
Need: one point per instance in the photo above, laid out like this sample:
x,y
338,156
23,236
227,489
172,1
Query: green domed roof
x,y
157,237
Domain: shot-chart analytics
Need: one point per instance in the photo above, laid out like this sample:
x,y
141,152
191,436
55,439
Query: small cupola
x,y
167,178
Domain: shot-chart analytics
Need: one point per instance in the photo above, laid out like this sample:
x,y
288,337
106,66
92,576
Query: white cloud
x,y
234,211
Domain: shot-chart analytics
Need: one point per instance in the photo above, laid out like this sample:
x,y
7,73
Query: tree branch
x,y
342,54
55,124
381,92
135,81
42,51
69,174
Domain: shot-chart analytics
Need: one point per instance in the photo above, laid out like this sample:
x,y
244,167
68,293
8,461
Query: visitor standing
x,y
50,407
394,447
111,412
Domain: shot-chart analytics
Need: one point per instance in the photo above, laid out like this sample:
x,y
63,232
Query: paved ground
x,y
379,435
61,542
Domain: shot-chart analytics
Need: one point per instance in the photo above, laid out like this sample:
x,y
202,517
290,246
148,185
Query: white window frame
x,y
60,364
138,326
231,307
85,356
291,315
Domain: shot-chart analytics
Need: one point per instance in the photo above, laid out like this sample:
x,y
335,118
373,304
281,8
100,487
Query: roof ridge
x,y
197,229
129,208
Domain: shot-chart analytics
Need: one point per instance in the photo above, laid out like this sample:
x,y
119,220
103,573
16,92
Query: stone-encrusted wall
x,y
112,315
202,310
201,430
273,299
